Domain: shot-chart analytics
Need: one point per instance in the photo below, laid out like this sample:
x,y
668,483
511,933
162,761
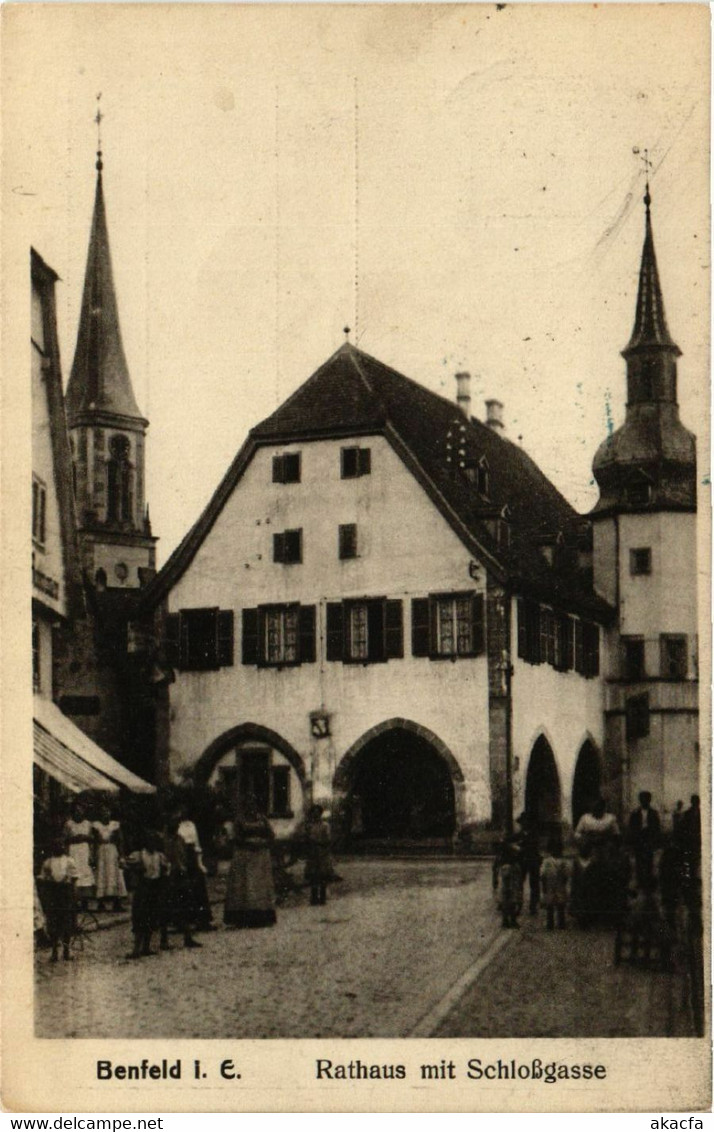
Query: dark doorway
x,y
543,787
401,789
587,780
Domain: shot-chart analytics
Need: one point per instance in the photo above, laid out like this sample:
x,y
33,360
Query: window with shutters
x,y
347,540
286,468
39,511
367,631
287,547
199,639
448,625
279,636
355,462
673,656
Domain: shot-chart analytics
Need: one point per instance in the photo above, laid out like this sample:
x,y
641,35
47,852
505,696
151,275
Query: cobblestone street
x,y
395,952
392,940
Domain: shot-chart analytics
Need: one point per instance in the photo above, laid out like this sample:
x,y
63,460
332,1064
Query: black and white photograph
x,y
367,423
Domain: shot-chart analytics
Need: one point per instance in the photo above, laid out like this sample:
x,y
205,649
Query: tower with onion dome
x,y
644,557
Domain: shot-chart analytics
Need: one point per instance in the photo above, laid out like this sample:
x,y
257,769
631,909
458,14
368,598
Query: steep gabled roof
x,y
99,381
353,394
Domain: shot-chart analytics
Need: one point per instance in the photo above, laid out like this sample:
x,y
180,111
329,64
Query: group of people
x,y
167,876
607,868
96,847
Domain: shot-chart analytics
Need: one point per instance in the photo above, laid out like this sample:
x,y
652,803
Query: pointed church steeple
x,y
107,429
99,382
650,330
649,463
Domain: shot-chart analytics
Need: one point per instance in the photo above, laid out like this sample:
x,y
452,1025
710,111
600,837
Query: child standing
x,y
150,868
510,885
318,859
554,880
59,876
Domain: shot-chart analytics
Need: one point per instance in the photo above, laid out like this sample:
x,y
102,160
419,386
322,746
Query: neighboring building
x,y
644,530
65,760
105,683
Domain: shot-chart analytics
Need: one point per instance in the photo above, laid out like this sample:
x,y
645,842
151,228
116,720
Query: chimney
x,y
494,415
463,393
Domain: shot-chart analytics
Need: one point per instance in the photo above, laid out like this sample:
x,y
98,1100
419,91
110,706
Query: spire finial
x,y
98,119
644,156
347,331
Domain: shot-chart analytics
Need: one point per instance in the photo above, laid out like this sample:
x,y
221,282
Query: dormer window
x,y
639,494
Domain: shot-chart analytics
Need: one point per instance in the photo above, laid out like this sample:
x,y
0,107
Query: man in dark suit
x,y
644,835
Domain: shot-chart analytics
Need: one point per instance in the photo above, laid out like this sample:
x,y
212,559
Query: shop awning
x,y
68,755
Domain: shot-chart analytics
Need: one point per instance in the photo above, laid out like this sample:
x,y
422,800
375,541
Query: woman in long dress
x,y
78,833
108,845
250,894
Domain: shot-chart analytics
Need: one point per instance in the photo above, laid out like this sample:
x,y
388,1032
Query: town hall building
x,y
388,608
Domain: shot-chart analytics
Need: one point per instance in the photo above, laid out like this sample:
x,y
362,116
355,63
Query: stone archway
x,y
251,764
587,780
543,795
398,782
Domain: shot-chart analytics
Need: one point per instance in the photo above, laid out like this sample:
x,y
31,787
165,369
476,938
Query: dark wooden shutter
x,y
394,629
349,462
579,662
637,716
225,637
278,469
292,546
279,547
307,634
250,653
335,631
347,540
420,626
281,791
522,630
172,639
478,635
185,640
375,631
364,461
591,649
291,467
568,652
533,618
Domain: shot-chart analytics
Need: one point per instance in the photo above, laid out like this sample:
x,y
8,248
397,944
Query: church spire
x,y
650,330
99,382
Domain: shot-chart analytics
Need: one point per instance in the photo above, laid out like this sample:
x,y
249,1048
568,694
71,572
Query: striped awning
x,y
68,755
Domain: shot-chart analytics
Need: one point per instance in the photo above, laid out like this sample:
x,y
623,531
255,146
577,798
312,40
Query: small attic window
x,y
639,494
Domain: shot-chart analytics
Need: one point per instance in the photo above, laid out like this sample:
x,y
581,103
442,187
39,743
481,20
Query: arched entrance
x,y
250,762
587,780
543,786
398,785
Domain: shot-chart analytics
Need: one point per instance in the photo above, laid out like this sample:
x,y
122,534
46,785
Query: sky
x,y
458,184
